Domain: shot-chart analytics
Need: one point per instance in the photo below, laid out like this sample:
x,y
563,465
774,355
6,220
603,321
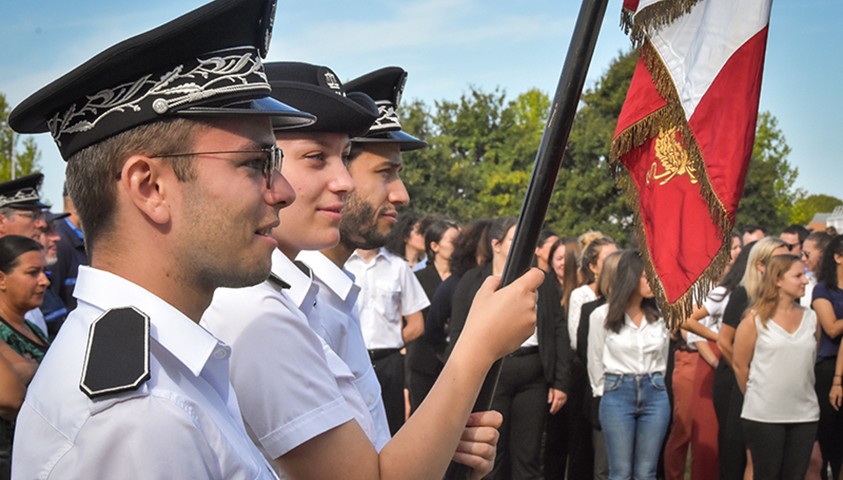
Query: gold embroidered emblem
x,y
673,158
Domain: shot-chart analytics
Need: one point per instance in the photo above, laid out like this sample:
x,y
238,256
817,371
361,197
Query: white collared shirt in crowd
x,y
388,291
715,304
579,297
633,350
340,328
291,385
184,422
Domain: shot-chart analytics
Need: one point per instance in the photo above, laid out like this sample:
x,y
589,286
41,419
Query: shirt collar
x,y
170,328
302,290
339,281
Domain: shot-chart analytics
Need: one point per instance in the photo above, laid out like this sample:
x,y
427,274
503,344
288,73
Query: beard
x,y
359,225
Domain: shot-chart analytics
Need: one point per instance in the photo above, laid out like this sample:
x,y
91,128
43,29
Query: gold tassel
x,y
636,135
649,19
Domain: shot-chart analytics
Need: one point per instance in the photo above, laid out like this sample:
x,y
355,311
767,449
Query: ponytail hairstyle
x,y
589,257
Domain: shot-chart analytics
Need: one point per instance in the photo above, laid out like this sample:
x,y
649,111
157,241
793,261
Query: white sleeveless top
x,y
781,375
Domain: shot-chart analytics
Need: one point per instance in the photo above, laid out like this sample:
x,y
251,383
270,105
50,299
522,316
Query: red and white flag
x,y
685,134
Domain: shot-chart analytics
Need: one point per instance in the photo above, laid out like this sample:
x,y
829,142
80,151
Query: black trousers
x,y
780,450
830,428
728,402
521,398
390,373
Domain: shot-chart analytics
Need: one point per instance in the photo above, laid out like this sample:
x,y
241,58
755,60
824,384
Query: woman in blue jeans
x,y
630,355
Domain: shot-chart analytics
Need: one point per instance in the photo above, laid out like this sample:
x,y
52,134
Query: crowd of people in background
x,y
605,390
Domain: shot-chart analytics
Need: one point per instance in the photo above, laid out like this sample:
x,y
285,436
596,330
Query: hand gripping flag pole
x,y
545,170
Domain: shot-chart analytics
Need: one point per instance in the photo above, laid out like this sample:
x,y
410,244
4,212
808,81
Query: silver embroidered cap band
x,y
385,86
22,192
206,62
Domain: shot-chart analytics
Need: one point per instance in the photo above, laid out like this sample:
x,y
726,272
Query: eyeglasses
x,y
273,161
30,214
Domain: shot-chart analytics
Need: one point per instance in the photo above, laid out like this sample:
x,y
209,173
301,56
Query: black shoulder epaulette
x,y
275,279
117,358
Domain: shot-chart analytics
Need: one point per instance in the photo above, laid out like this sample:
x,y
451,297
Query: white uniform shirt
x,y
340,328
388,291
633,350
291,385
184,422
580,296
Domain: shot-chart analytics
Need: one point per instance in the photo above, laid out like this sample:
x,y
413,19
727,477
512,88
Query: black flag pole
x,y
545,170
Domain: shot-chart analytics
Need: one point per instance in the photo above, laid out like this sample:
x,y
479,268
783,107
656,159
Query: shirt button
x,y
220,353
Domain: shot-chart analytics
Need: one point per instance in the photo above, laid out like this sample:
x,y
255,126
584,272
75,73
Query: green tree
x,y
805,208
25,159
586,196
769,193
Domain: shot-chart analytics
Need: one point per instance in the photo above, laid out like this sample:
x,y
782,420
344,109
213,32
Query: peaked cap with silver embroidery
x,y
22,192
206,62
318,90
385,86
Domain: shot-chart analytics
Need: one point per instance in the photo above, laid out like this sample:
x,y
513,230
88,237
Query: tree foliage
x,y
22,154
769,193
805,208
483,146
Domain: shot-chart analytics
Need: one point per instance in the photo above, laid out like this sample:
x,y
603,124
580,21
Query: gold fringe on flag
x,y
671,116
638,24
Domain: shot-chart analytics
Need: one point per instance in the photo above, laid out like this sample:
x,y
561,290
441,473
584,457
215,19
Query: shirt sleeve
x,y
153,439
574,308
285,389
596,341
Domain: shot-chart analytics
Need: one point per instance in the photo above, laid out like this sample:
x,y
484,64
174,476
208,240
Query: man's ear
x,y
145,181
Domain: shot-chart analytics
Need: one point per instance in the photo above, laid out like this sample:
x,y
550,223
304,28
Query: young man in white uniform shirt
x,y
133,387
368,217
314,162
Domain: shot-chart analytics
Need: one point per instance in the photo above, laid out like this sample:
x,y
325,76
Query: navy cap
x,y
22,192
385,86
318,90
206,62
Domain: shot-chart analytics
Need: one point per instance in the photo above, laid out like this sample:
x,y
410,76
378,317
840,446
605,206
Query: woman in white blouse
x,y
627,360
773,359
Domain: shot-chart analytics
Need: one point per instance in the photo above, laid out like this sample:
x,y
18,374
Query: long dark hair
x,y
735,273
499,227
828,267
12,247
400,232
433,234
471,244
627,278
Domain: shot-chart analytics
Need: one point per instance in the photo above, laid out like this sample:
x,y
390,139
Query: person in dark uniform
x,y
168,141
534,378
424,362
70,254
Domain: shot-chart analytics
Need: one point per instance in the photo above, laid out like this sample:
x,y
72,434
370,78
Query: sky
x,y
446,46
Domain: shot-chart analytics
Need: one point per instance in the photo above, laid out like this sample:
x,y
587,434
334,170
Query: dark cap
x,y
385,86
51,217
22,192
206,62
318,90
